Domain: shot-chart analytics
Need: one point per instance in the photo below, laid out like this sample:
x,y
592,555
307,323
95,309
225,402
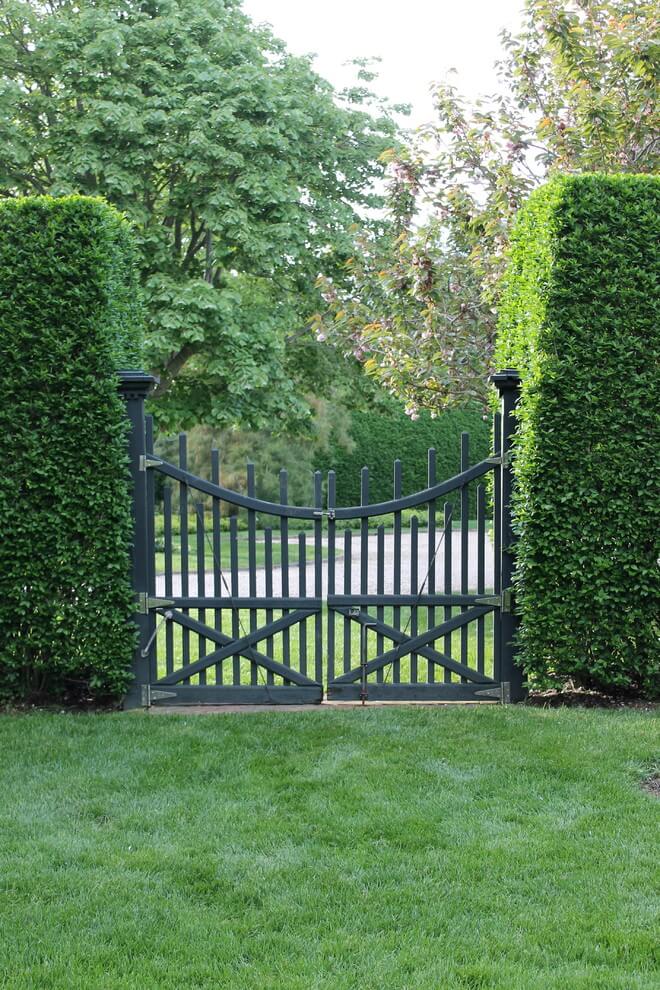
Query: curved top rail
x,y
307,512
234,498
418,498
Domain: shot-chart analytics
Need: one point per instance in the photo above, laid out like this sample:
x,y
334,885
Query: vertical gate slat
x,y
252,561
380,590
332,533
430,556
414,588
364,531
396,621
201,580
217,553
151,540
284,564
448,540
497,543
481,552
302,593
167,547
364,538
348,535
183,542
465,543
235,617
268,564
318,576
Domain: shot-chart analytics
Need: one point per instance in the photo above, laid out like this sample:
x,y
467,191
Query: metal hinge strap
x,y
145,604
506,460
504,601
502,692
149,695
148,461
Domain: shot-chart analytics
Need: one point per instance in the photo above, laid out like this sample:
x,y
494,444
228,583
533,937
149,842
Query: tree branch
x,y
172,368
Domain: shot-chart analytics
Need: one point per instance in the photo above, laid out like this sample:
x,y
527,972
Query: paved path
x,y
407,587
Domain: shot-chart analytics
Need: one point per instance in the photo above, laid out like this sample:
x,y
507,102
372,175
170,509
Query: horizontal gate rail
x,y
345,601
237,694
232,647
398,691
344,691
256,601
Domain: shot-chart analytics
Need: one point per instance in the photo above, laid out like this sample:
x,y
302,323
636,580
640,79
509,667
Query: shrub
x,y
580,321
67,322
380,438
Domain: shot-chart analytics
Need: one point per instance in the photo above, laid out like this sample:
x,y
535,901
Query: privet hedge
x,y
67,323
580,320
380,438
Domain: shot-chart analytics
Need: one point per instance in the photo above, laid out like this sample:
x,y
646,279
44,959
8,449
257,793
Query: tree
x,y
239,166
578,93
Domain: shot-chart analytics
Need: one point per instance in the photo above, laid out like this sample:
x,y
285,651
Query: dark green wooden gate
x,y
247,601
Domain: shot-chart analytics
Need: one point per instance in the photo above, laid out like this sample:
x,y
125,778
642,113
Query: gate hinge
x,y
145,604
148,461
502,692
504,601
506,460
149,695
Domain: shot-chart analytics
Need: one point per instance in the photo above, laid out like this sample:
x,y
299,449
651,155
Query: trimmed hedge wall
x,y
379,439
67,322
580,320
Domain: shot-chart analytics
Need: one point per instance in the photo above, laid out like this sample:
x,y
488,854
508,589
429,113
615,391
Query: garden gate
x,y
367,602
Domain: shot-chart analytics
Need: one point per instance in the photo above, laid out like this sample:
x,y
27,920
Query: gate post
x,y
507,383
134,387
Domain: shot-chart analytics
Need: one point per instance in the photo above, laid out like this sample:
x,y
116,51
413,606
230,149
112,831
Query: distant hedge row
x,y
381,438
580,320
67,323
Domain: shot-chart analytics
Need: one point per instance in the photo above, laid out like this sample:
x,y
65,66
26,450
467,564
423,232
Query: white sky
x,y
418,41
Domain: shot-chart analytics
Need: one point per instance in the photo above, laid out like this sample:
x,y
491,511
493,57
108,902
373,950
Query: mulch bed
x,y
576,697
652,785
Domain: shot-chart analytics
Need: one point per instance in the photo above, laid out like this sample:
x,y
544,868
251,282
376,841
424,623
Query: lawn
x,y
376,849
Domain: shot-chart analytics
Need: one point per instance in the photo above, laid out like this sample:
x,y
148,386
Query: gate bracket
x,y
502,693
145,604
148,461
148,695
504,601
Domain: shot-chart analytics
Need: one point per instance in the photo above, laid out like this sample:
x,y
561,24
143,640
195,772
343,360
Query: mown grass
x,y
416,849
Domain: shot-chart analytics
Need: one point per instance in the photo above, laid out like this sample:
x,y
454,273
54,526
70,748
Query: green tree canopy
x,y
578,93
241,169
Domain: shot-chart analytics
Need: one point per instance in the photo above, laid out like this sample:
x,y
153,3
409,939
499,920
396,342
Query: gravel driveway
x,y
406,586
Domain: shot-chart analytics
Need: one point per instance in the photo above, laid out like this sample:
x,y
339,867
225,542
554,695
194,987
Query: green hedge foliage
x,y
580,320
67,322
378,439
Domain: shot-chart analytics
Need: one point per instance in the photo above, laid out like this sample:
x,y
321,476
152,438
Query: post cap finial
x,y
506,380
135,384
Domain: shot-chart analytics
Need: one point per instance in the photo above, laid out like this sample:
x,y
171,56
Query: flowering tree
x,y
578,93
